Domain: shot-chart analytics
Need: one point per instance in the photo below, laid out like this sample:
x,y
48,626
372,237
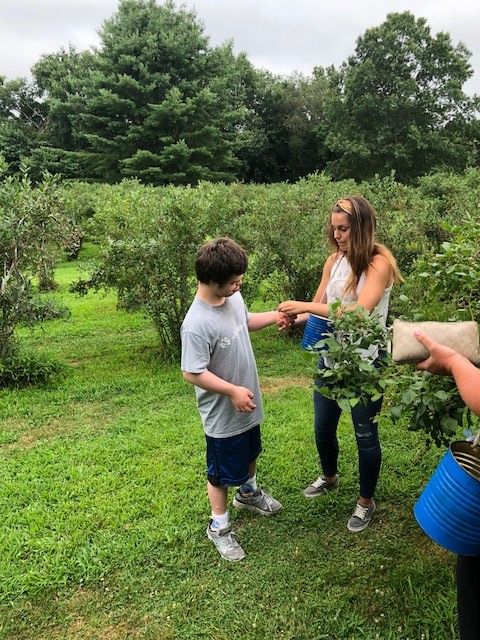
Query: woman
x,y
445,361
360,272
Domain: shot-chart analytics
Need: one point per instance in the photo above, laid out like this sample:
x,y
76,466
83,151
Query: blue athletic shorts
x,y
228,459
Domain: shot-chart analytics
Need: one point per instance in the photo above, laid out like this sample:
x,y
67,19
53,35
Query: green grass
x,y
104,507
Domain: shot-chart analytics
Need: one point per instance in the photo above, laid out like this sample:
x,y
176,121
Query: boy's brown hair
x,y
219,260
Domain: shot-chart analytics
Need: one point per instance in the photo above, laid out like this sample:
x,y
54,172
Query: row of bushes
x,y
149,237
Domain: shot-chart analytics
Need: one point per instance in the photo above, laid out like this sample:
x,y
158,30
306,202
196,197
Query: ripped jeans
x,y
326,417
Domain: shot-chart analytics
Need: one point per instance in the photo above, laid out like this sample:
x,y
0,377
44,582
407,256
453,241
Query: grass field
x,y
104,507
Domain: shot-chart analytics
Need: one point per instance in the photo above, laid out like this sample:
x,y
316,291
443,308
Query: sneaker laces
x,y
224,534
260,498
267,500
228,540
319,482
361,511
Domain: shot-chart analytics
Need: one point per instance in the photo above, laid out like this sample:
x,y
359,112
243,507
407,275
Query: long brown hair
x,y
362,246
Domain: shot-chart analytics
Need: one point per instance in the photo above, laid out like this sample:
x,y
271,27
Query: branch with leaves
x,y
428,403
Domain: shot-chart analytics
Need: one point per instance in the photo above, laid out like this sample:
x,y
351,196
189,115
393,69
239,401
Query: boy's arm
x,y
241,397
263,319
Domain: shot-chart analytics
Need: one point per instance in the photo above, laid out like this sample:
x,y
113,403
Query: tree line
x,y
156,102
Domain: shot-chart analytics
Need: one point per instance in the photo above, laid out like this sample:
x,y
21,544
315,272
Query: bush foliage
x,y
149,237
33,226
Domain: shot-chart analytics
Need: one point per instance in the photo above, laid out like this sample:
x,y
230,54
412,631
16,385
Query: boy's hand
x,y
285,320
242,399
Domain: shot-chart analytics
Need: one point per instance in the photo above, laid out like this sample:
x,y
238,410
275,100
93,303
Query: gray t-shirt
x,y
217,339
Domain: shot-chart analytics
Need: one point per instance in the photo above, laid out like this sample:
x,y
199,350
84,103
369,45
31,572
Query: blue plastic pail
x,y
317,328
448,509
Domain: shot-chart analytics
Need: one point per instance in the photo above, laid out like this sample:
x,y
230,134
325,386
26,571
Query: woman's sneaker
x,y
361,517
319,486
259,501
224,540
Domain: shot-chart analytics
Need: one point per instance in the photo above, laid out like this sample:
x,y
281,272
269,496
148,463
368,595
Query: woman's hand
x,y
293,307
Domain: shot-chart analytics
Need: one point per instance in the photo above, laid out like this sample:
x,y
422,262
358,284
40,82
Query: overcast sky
x,y
280,35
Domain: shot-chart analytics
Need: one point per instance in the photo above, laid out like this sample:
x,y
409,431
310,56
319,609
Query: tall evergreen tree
x,y
61,79
153,106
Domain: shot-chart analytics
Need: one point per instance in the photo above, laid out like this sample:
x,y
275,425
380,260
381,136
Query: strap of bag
x,y
324,295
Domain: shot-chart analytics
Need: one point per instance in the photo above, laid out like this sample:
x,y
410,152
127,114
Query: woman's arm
x,y
379,277
302,309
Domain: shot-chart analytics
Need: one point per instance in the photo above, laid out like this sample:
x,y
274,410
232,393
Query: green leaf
x,y
344,404
442,395
449,425
409,396
396,411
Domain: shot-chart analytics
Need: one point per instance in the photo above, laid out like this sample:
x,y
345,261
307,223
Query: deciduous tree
x,y
400,104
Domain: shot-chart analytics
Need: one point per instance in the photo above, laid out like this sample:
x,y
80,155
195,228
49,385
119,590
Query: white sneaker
x,y
224,540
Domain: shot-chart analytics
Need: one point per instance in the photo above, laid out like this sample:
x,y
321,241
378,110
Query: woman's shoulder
x,y
330,262
380,260
383,267
381,257
332,258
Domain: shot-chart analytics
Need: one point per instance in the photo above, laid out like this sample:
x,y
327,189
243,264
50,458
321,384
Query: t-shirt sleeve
x,y
195,353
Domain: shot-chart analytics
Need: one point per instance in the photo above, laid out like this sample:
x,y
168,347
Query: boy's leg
x,y
219,529
217,497
256,500
251,482
248,495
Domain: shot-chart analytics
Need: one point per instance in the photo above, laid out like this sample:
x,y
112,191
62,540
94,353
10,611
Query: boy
x,y
217,357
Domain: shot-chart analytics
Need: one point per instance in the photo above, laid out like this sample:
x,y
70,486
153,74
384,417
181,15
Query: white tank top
x,y
335,291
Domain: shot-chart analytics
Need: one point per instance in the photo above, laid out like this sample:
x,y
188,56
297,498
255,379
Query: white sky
x,y
280,35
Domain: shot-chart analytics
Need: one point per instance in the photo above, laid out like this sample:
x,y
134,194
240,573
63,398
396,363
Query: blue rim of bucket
x,y
448,510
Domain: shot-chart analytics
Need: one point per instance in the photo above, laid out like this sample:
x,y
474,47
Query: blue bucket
x,y
317,328
448,509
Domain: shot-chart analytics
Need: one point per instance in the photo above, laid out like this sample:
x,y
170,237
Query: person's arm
x,y
379,276
302,309
241,397
445,361
262,319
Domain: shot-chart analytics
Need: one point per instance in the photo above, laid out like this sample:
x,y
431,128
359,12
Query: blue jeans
x,y
326,417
